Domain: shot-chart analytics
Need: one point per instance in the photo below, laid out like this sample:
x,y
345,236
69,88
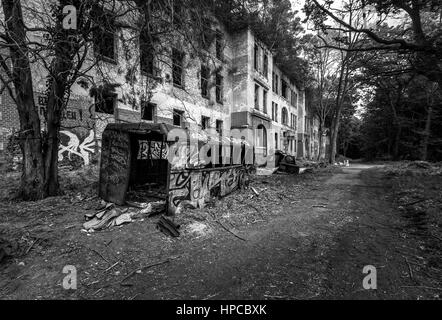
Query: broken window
x,y
104,35
284,89
276,112
105,103
264,101
294,98
146,54
148,111
256,96
207,33
205,122
219,88
285,116
219,127
205,76
276,83
177,67
256,57
219,45
266,66
178,117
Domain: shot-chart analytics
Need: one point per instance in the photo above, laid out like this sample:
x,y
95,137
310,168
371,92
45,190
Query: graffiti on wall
x,y
194,188
74,146
156,149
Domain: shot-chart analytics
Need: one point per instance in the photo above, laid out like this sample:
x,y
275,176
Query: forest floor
x,y
303,236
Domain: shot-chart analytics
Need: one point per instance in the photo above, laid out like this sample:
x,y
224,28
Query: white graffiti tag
x,y
73,146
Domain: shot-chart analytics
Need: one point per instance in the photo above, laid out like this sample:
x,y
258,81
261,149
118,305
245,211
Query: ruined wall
x,y
77,132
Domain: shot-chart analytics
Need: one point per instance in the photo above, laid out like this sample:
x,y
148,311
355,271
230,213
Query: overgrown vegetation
x,y
394,76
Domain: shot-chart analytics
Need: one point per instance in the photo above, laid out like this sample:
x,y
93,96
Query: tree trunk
x,y
337,114
40,151
33,175
426,135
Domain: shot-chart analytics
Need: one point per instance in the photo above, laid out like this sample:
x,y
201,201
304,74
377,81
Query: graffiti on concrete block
x,y
74,146
193,188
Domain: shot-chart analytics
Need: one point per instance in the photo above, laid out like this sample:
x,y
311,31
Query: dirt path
x,y
308,237
317,249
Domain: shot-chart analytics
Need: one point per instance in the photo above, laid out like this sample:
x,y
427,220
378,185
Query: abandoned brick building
x,y
236,85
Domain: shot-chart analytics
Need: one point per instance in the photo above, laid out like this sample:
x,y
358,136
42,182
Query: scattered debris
x,y
153,208
111,216
168,227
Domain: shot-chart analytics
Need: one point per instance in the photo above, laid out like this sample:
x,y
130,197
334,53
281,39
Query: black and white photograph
x,y
222,156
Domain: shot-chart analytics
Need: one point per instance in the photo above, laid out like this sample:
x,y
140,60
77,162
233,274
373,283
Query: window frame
x,y
98,35
175,53
205,122
219,88
204,82
257,86
180,113
264,100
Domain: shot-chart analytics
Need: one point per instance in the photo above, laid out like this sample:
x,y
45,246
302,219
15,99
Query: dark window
x,y
177,117
266,66
276,112
205,122
219,45
105,103
146,55
219,127
148,110
219,88
104,35
276,140
207,34
257,96
256,57
177,13
264,101
177,67
273,111
285,116
273,81
276,83
205,76
284,89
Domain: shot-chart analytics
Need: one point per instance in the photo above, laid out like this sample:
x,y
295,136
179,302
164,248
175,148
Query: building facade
x,y
234,85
